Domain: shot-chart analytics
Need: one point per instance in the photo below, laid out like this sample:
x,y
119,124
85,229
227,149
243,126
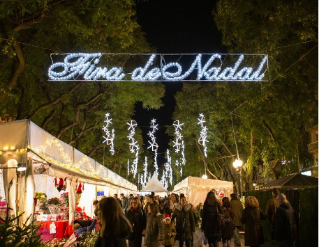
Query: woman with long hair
x,y
154,226
137,218
115,227
252,215
209,225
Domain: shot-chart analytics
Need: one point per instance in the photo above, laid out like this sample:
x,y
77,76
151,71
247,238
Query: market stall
x,y
61,181
196,189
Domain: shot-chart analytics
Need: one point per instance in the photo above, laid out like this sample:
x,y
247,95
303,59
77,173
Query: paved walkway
x,y
198,239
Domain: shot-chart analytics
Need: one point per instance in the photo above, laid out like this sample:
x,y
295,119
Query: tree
x,y
267,119
71,111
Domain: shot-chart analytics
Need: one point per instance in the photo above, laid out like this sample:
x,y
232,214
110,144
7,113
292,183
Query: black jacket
x,y
209,220
285,223
138,221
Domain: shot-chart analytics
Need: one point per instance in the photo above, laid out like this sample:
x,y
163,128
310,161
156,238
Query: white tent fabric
x,y
154,186
196,189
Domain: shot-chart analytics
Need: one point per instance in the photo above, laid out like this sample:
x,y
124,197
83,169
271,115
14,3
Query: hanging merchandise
x,y
60,186
64,184
79,190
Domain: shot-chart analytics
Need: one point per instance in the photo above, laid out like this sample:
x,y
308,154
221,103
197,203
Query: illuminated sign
x,y
158,67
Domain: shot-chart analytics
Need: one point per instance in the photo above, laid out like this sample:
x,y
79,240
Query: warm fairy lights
x,y
203,134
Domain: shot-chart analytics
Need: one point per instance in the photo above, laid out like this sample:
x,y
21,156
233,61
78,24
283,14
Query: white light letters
x,y
83,66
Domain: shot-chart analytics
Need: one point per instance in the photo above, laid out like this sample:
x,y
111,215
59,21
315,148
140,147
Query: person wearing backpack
x,y
210,224
228,230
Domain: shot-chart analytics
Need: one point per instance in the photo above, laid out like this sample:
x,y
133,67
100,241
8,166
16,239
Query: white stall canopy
x,y
23,139
196,189
154,186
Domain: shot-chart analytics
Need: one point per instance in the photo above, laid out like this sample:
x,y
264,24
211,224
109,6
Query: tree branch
x,y
47,105
269,130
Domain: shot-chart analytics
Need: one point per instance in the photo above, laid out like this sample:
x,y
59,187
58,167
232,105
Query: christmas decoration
x,y
153,144
134,147
109,135
203,134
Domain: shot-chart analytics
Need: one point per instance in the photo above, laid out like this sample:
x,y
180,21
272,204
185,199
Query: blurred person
x,y
228,230
185,223
252,215
154,226
124,202
237,208
285,223
271,206
119,201
96,207
137,218
169,232
209,220
115,228
169,204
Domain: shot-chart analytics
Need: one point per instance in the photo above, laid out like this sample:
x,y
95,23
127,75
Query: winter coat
x,y
271,208
169,207
237,209
124,203
185,223
169,228
115,240
253,231
154,230
285,223
138,222
228,231
209,221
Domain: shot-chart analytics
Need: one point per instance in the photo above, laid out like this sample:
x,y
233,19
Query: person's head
x,y
211,199
233,196
152,209
95,202
76,226
226,202
149,198
281,198
111,216
167,220
251,202
182,200
135,203
131,196
121,195
172,197
156,198
115,196
275,192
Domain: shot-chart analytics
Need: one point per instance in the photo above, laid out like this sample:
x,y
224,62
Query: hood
x,y
179,207
285,205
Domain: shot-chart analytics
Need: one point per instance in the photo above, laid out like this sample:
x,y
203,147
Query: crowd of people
x,y
162,221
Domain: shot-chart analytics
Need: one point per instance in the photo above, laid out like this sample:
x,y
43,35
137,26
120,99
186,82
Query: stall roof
x,y
291,181
154,185
18,138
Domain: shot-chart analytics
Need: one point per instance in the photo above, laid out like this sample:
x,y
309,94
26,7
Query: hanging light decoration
x,y
203,134
134,147
153,144
109,135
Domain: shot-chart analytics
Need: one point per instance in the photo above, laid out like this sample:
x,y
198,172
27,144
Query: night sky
x,y
175,26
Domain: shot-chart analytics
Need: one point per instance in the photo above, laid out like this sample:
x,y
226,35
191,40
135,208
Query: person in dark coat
x,y
252,216
271,206
154,226
228,229
115,227
285,223
237,209
135,214
209,220
185,223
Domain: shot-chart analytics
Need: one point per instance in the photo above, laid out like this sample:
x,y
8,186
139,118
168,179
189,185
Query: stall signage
x,y
158,67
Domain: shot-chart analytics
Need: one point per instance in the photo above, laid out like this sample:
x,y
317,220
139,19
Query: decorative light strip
x,y
153,144
134,147
203,134
83,66
109,136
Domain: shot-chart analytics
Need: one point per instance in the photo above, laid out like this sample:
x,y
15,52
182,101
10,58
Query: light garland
x,y
79,66
109,136
153,144
134,147
178,136
203,134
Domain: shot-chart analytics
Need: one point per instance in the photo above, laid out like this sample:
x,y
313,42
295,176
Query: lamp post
x,y
237,164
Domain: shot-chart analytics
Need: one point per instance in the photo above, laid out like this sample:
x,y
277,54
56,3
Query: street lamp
x,y
237,164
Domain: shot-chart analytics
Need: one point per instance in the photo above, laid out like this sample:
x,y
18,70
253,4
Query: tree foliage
x,y
270,118
71,111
